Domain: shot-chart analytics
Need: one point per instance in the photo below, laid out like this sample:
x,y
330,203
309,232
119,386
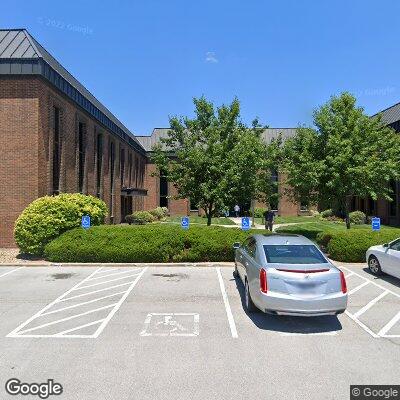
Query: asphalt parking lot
x,y
181,332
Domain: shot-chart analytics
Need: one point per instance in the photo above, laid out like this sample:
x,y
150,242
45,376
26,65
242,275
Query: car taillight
x,y
263,280
343,282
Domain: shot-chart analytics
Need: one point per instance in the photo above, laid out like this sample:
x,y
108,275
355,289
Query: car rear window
x,y
294,254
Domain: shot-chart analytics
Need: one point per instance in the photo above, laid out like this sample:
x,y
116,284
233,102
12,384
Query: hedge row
x,y
350,246
341,244
146,243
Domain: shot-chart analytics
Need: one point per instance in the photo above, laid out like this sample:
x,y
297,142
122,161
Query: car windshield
x,y
294,254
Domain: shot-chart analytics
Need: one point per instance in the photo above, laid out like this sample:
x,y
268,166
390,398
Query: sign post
x,y
245,223
185,222
376,223
85,222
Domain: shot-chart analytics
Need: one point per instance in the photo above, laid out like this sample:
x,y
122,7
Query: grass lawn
x,y
311,229
202,220
290,219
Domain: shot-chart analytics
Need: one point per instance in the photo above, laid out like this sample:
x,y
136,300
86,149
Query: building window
x,y
136,171
122,165
56,150
112,166
81,155
99,164
130,170
193,206
371,205
304,205
393,203
163,190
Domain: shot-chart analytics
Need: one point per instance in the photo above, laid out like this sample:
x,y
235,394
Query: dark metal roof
x,y
17,45
390,114
268,135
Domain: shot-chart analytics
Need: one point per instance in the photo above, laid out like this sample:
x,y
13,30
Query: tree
x,y
348,154
213,158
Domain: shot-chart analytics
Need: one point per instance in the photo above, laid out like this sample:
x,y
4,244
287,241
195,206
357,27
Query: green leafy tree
x,y
348,154
213,158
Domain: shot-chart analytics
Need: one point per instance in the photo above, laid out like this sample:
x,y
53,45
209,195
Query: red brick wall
x,y
152,200
26,140
19,144
285,206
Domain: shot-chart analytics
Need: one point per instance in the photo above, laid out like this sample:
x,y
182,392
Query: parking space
x,y
182,332
374,304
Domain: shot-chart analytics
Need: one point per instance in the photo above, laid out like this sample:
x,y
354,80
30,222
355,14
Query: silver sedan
x,y
288,275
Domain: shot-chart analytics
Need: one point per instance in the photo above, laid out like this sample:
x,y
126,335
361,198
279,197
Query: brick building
x,y
388,211
55,136
161,192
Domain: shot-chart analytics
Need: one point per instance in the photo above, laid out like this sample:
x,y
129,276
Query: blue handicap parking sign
x,y
85,222
376,223
185,222
245,223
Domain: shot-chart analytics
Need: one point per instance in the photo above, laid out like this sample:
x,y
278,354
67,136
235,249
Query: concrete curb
x,y
56,265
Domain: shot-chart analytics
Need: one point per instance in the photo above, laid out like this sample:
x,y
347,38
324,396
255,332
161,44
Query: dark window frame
x,y
56,150
81,155
99,162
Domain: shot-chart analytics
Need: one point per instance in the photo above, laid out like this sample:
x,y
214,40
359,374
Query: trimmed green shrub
x,y
47,217
350,246
309,230
159,212
327,213
140,218
258,212
357,218
146,243
324,237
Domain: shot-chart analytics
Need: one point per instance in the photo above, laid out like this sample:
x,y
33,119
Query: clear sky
x,y
146,60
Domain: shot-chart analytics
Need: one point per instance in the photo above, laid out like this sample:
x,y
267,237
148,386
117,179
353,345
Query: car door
x,y
393,259
250,262
241,259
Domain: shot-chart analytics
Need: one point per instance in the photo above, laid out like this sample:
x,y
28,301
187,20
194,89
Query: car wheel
x,y
250,307
374,266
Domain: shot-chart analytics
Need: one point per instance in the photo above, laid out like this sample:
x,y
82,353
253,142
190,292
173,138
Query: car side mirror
x,y
236,245
386,245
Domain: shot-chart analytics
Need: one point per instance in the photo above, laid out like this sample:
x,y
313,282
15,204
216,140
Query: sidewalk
x,y
238,222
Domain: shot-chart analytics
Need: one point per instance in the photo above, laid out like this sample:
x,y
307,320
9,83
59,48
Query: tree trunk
x,y
347,211
209,214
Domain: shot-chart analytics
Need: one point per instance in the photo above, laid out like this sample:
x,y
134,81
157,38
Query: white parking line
x,y
102,283
107,319
348,275
81,304
389,326
10,272
362,325
229,314
356,289
370,304
354,317
14,332
21,332
67,318
115,273
374,283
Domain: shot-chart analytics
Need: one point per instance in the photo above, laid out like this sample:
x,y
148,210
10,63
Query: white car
x,y
385,259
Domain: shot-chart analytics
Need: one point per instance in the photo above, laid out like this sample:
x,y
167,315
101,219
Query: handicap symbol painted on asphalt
x,y
171,324
245,223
